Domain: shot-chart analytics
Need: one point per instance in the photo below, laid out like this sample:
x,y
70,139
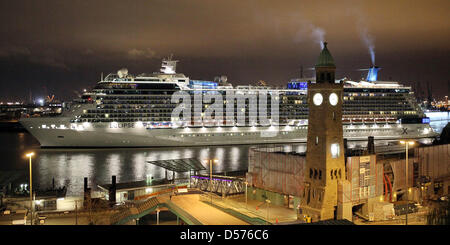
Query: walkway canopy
x,y
180,165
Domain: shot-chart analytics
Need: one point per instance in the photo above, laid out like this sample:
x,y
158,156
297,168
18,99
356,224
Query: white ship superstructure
x,y
136,111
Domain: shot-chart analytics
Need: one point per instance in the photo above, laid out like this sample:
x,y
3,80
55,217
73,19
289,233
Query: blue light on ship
x,y
198,84
372,74
297,85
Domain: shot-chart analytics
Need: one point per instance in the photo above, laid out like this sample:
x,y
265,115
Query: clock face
x,y
317,99
333,99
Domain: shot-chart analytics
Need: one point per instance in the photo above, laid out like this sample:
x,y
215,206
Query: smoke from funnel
x,y
311,31
368,39
319,35
369,42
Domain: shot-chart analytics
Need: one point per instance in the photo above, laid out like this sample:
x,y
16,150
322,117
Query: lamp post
x,y
268,205
157,216
406,143
246,184
29,155
210,176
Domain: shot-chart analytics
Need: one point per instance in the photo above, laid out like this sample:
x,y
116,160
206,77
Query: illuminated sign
x,y
426,120
298,85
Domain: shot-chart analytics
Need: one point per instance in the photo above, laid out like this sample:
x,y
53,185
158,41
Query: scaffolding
x,y
433,168
365,177
277,168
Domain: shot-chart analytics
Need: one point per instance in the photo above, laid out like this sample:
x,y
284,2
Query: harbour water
x,y
438,120
69,166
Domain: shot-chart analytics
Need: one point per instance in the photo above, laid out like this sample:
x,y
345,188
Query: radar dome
x,y
122,72
223,79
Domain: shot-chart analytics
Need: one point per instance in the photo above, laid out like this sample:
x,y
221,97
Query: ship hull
x,y
102,135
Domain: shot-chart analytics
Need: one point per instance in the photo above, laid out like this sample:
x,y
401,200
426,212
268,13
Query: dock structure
x,y
180,165
183,200
189,208
191,165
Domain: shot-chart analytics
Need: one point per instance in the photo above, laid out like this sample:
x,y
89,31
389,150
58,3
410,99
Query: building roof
x,y
325,58
135,185
180,165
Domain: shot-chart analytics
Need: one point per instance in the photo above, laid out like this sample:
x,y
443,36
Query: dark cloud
x,y
65,45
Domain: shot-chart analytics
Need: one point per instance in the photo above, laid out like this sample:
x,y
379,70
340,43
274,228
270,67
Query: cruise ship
x,y
124,110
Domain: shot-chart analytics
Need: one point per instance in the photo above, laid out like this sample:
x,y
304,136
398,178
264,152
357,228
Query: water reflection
x,y
438,126
69,167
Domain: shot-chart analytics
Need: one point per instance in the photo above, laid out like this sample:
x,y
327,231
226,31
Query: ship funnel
x,y
372,74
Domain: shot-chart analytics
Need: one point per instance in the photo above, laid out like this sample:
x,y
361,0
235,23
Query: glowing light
x,y
138,124
372,74
148,190
334,150
114,125
404,142
30,154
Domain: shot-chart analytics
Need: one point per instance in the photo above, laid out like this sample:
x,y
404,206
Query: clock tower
x,y
325,167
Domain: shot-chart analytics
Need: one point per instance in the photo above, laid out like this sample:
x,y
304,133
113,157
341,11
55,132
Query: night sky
x,y
55,47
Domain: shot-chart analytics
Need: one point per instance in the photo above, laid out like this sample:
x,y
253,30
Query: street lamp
x,y
406,143
268,206
29,155
210,175
246,184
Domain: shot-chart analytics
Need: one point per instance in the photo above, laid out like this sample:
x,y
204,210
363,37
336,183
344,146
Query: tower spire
x,y
325,67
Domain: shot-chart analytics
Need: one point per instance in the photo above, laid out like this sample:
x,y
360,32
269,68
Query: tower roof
x,y
325,58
